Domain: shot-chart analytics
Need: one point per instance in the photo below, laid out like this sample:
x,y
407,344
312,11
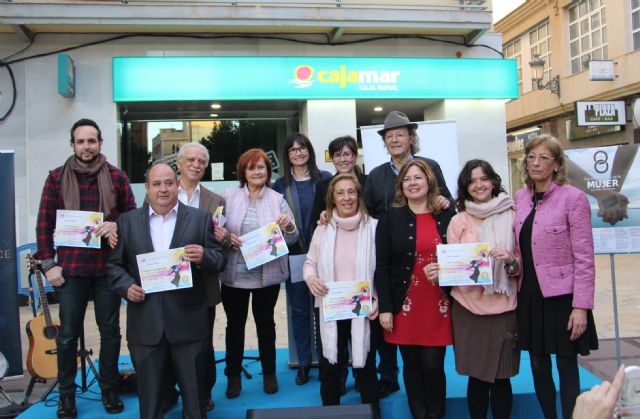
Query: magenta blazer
x,y
561,242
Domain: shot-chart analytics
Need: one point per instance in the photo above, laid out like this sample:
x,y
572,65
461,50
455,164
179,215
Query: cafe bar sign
x,y
305,78
601,113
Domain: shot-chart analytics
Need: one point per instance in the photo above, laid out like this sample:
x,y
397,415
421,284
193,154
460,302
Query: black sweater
x,y
380,188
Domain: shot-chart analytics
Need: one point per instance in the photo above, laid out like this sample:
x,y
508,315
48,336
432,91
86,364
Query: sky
x,y
501,8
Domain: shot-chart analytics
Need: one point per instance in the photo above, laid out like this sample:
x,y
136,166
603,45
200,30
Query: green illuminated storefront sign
x,y
300,78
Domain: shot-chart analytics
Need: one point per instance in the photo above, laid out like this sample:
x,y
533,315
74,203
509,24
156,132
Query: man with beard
x,y
86,182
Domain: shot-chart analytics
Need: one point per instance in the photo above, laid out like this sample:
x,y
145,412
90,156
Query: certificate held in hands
x,y
464,264
77,229
263,245
164,271
347,300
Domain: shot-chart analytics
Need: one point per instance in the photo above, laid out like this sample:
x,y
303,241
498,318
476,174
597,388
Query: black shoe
x,y
303,375
270,383
111,401
234,386
209,405
67,406
387,387
170,399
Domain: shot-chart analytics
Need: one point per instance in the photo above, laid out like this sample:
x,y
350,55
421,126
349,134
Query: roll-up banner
x,y
610,176
9,315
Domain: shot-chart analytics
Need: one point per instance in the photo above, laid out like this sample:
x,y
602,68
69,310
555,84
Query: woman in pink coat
x,y
553,234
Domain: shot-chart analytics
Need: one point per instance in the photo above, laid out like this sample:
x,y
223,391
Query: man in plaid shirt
x,y
86,182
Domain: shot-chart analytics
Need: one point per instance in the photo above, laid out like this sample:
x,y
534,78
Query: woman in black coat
x,y
414,312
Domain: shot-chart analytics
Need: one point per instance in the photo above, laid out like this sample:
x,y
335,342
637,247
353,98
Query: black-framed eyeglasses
x,y
298,150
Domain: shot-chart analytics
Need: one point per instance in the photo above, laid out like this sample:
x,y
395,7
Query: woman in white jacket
x,y
344,250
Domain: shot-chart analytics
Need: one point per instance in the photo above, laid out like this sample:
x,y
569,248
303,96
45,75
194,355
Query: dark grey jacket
x,y
379,190
180,315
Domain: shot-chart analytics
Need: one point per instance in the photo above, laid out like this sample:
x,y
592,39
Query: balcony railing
x,y
466,18
451,5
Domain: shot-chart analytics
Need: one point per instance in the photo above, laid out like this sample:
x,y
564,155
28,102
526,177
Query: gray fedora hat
x,y
397,119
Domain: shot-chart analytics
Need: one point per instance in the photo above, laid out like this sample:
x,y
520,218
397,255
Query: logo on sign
x,y
302,76
600,159
604,112
378,80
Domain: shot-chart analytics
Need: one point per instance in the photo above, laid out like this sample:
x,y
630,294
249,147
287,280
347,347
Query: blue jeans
x,y
74,296
301,306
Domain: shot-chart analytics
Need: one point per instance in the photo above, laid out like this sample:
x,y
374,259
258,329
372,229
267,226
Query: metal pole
x,y
615,309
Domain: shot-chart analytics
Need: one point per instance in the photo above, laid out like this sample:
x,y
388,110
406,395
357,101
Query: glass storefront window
x,y
144,142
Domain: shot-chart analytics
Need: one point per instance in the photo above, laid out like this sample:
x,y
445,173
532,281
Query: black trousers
x,y
74,295
424,379
170,386
189,364
388,352
236,306
331,375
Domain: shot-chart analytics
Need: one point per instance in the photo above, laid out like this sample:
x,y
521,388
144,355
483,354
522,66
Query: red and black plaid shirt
x,y
75,261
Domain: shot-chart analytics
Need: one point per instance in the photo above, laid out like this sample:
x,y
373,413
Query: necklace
x,y
537,199
300,179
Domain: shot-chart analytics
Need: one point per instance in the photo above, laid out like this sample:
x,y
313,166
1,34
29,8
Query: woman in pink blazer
x,y
553,234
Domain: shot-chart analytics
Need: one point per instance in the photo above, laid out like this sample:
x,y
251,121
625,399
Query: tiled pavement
x,y
601,362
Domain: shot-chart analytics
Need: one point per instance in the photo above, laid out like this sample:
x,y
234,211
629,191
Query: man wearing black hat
x,y
401,139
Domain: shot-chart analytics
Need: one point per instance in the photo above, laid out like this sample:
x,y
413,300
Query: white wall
x,y
481,128
324,120
38,128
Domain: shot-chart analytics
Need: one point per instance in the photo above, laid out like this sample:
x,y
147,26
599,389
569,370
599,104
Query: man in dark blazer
x,y
169,325
192,161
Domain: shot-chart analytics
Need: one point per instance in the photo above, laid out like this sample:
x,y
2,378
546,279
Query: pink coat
x,y
267,208
561,242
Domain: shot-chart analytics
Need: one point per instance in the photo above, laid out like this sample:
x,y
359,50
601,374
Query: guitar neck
x,y
43,298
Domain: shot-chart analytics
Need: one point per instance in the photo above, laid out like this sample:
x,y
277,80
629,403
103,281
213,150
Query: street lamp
x,y
537,74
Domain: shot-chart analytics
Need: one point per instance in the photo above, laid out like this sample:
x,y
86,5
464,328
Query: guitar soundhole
x,y
50,332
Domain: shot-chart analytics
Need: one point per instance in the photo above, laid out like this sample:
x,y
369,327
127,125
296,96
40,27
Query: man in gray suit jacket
x,y
192,161
169,326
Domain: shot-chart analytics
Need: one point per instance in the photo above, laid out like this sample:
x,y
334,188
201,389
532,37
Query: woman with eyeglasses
x,y
344,155
415,312
298,185
484,317
553,233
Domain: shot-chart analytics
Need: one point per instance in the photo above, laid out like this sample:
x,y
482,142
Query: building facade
x,y
574,38
259,69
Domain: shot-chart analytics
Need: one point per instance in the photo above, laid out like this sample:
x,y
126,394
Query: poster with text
x,y
610,176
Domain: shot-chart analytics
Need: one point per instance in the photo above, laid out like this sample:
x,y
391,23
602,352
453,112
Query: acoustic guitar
x,y
42,361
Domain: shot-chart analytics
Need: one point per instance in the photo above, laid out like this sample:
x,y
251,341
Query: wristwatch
x,y
47,264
